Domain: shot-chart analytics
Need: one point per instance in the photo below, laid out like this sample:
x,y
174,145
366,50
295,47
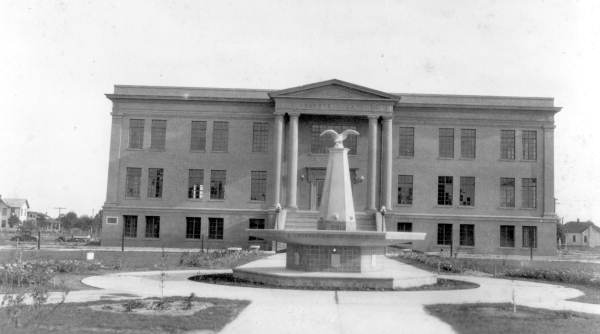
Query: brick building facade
x,y
192,166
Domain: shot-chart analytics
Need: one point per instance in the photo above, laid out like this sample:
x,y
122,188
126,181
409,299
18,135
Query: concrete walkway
x,y
305,311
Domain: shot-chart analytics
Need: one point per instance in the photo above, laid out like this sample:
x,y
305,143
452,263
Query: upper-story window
x,y
155,182
132,182
136,133
258,185
529,144
195,183
220,137
406,144
158,134
507,144
217,184
467,191
198,136
322,144
405,189
444,190
260,137
528,193
467,143
507,192
446,143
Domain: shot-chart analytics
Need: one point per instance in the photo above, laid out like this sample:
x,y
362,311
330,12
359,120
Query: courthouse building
x,y
192,167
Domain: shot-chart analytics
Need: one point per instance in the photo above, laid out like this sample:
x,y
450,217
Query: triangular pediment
x,y
333,89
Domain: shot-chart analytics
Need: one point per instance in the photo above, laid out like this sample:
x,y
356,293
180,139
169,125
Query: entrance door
x,y
316,193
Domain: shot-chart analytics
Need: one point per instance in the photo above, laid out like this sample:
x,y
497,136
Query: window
x,y
217,184
220,137
112,220
155,182
195,183
158,134
467,143
467,191
528,193
444,236
130,227
446,144
507,144
529,145
193,227
507,192
258,224
215,228
530,236
136,133
320,144
407,142
258,185
132,182
404,227
444,190
507,236
260,137
3,223
152,226
467,235
574,239
585,239
405,189
198,137
4,211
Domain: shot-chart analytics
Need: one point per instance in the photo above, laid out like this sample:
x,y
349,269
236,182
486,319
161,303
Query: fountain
x,y
336,254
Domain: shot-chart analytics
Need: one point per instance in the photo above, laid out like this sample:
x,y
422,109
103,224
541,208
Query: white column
x,y
372,164
387,158
292,162
277,150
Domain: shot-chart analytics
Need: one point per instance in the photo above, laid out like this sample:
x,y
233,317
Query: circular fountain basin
x,y
338,238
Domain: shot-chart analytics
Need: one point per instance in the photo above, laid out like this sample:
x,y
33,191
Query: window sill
x,y
216,200
219,152
409,157
192,239
196,199
134,149
220,240
466,159
524,160
154,198
138,198
507,247
466,206
403,205
528,209
439,206
197,151
507,160
467,246
445,158
527,248
506,208
149,239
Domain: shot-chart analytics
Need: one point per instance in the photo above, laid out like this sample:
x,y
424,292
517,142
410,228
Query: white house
x,y
12,206
582,234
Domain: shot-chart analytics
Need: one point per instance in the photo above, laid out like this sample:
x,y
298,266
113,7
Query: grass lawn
x,y
80,318
499,318
497,266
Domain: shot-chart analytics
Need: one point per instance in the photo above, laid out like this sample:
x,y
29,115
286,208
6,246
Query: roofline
x,y
477,106
335,82
113,97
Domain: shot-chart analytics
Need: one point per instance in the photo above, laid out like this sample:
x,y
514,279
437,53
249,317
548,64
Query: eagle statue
x,y
338,138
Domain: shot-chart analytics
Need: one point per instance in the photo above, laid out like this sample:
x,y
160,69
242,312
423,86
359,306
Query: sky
x,y
59,58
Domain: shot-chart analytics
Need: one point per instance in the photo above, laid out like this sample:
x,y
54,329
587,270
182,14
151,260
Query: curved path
x,y
305,311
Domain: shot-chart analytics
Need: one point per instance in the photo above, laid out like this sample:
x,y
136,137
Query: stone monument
x,y
336,254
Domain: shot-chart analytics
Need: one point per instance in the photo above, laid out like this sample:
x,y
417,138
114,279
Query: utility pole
x,y
59,224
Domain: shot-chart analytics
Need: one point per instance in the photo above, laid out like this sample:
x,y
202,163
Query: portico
x,y
334,98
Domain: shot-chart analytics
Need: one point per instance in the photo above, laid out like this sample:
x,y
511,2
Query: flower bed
x,y
41,271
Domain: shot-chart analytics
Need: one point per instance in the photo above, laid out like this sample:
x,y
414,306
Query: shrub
x,y
218,258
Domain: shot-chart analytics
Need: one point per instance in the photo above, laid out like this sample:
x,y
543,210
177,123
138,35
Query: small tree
x,y
13,221
69,220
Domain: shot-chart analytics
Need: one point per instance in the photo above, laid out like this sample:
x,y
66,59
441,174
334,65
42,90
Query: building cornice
x,y
121,97
478,107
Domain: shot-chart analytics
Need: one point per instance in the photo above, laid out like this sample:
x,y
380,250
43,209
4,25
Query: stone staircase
x,y
307,220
